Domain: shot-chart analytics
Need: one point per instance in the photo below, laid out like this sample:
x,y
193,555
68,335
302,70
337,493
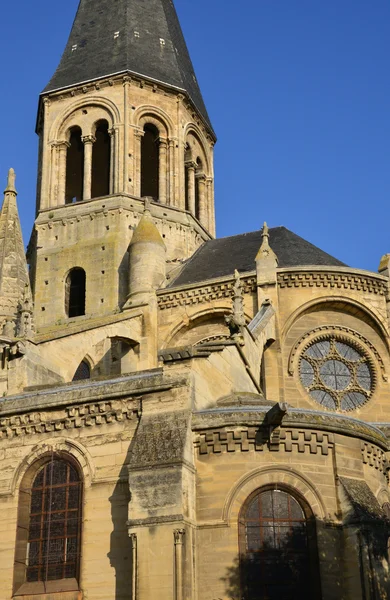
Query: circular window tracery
x,y
336,374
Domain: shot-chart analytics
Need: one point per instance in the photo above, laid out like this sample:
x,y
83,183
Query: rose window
x,y
336,375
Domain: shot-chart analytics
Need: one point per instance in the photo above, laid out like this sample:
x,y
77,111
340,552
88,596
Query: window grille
x,y
53,550
275,540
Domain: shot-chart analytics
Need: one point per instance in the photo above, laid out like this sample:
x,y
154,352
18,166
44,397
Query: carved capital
x,y
88,139
133,539
178,535
190,165
60,144
111,132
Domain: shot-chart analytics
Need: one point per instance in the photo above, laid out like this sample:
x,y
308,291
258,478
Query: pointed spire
x,y
11,183
128,36
14,280
265,252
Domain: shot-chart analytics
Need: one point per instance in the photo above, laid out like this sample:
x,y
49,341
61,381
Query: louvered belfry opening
x,y
55,523
277,548
74,167
101,156
75,293
150,162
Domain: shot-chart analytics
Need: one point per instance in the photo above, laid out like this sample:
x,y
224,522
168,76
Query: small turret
x,y
147,260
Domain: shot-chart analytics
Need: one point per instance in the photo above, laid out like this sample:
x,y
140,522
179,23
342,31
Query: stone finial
x,y
384,265
11,182
265,251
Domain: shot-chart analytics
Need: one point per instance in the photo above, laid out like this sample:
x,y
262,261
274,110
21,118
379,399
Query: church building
x,y
182,417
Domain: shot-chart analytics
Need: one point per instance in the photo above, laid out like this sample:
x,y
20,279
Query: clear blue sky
x,y
298,92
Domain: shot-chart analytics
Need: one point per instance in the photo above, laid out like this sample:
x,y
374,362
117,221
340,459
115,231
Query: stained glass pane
x,y
307,373
275,565
323,398
54,531
319,350
364,376
335,375
347,351
352,400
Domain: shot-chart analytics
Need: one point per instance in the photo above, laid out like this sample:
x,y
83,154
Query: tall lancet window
x,y
75,293
101,157
48,542
278,549
150,162
74,167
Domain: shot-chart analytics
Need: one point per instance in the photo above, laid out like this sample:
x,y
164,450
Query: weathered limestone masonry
x,y
181,417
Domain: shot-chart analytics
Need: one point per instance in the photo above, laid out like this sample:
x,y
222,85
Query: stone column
x,y
134,566
162,170
178,536
88,141
191,166
111,133
210,202
203,202
138,135
62,149
171,178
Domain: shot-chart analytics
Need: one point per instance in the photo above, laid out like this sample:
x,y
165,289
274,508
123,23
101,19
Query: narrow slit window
x,y
75,293
74,167
101,157
150,162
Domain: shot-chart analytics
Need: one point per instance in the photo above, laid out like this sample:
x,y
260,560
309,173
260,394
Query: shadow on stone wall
x,y
284,573
120,554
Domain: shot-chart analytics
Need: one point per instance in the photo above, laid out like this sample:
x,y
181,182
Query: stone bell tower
x,y
122,120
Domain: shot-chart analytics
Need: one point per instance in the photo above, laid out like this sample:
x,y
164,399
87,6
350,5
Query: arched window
x,y
75,293
150,162
50,514
101,157
74,167
278,552
83,371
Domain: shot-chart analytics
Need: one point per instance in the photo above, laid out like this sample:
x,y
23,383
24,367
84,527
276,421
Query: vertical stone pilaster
x,y
163,170
138,135
113,155
88,141
62,150
210,203
203,200
171,173
179,538
134,566
191,166
126,102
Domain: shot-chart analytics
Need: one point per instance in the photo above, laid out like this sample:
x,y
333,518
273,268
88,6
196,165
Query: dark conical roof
x,y
143,37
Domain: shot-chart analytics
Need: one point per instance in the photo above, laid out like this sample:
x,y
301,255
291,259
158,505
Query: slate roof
x,y
150,43
221,257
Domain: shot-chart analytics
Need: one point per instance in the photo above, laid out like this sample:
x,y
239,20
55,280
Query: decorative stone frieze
x,y
245,440
73,417
202,294
360,283
374,457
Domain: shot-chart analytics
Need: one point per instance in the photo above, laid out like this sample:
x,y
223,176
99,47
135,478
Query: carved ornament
x,y
337,281
73,417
